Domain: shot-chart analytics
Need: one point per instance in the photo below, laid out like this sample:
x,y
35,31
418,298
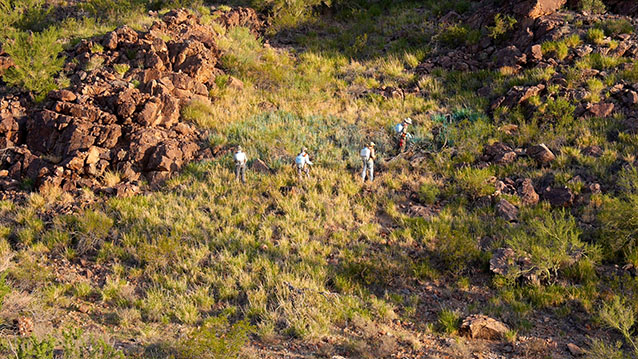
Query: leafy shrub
x,y
550,239
458,35
36,60
559,111
593,6
618,222
598,349
23,15
428,192
618,314
595,36
502,24
216,339
75,345
613,27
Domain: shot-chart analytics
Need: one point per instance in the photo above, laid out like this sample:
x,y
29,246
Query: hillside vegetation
x,y
476,217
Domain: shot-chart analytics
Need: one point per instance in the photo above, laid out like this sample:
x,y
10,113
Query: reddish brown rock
x,y
506,210
541,154
559,197
527,192
479,326
603,109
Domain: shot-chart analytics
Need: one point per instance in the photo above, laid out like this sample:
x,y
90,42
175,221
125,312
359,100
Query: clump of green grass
x,y
458,35
449,321
199,112
595,36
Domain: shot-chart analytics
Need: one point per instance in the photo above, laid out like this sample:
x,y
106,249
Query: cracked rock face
x,y
123,116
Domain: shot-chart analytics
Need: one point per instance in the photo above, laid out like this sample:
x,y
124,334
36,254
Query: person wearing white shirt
x,y
240,164
368,156
303,163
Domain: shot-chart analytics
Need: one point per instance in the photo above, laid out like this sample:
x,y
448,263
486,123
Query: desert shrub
x,y
288,13
619,315
502,24
595,36
428,192
601,62
111,9
36,61
92,227
459,35
631,74
74,344
4,288
559,112
23,15
598,349
618,222
550,239
449,321
593,6
613,27
475,181
216,339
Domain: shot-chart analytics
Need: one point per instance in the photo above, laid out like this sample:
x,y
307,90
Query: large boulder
x,y
541,154
478,326
537,8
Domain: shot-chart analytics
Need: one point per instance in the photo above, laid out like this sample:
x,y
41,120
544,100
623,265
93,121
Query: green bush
x,y
4,288
595,36
23,15
618,314
593,6
618,222
288,13
502,24
36,60
74,343
216,339
613,27
550,239
458,35
449,321
111,9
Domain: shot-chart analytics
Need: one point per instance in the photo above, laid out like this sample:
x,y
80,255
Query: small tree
x,y
36,61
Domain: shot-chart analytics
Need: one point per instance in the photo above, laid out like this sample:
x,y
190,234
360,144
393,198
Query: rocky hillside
x,y
506,230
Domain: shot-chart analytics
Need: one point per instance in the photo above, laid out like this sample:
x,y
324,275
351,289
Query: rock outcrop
x,y
479,326
121,115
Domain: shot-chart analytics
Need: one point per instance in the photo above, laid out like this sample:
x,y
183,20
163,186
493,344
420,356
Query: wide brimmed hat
x,y
408,121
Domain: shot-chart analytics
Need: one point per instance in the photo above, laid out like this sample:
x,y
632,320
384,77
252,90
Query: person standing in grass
x,y
368,156
403,135
303,163
240,164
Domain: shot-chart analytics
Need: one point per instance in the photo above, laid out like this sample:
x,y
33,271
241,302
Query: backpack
x,y
398,128
300,160
365,154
